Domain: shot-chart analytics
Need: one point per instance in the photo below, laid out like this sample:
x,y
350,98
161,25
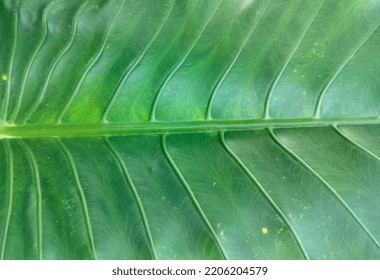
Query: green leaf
x,y
170,129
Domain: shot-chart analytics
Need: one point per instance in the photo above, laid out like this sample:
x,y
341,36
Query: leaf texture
x,y
172,129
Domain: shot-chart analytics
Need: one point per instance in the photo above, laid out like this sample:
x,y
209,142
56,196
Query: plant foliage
x,y
169,129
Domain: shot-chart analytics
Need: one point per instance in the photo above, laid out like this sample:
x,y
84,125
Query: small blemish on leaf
x,y
264,230
4,77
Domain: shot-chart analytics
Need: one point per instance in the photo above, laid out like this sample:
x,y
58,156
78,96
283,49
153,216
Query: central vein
x,y
88,130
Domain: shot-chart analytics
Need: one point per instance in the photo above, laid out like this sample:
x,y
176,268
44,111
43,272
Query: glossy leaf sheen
x,y
175,129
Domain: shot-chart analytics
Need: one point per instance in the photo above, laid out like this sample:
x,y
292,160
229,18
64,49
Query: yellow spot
x,y
4,77
264,230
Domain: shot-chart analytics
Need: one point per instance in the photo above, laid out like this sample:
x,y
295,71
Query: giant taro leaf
x,y
144,129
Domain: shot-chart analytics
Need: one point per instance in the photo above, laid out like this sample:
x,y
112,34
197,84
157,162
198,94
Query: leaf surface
x,y
189,129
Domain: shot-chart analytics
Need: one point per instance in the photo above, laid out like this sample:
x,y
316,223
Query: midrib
x,y
160,127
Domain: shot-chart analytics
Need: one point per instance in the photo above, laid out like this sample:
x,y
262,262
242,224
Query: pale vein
x,y
225,74
134,65
16,111
264,192
321,96
9,83
273,86
39,196
82,196
308,167
135,194
192,196
9,155
168,77
353,142
42,94
90,65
